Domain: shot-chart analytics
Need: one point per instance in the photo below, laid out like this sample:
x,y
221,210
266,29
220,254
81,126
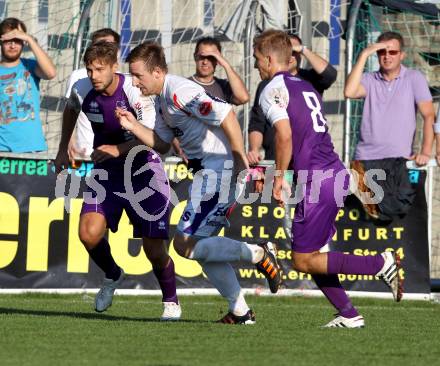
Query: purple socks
x,y
167,281
345,264
353,264
335,293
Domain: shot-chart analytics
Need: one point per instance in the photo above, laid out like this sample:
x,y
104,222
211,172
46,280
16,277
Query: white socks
x,y
213,254
223,278
222,249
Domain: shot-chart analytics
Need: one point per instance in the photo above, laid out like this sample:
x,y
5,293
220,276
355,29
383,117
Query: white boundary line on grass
x,y
210,291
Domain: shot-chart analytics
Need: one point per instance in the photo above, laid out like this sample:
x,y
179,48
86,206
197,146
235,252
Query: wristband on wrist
x,y
437,127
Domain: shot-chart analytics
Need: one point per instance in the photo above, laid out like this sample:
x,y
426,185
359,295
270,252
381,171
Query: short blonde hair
x,y
274,42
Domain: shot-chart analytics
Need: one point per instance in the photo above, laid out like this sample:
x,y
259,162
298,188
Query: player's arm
x,y
283,154
146,135
274,101
232,130
255,143
426,109
70,115
353,86
257,128
72,151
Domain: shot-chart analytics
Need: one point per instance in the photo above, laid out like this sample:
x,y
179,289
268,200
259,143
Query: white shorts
x,y
212,197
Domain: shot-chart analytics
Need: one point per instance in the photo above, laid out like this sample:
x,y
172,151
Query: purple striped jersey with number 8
x,y
289,97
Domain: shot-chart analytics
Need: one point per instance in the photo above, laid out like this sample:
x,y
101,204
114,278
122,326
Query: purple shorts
x,y
149,216
313,225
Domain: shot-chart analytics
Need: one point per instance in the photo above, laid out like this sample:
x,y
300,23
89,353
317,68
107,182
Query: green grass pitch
x,y
40,329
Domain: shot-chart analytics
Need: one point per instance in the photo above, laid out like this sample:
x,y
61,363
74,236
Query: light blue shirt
x,y
20,124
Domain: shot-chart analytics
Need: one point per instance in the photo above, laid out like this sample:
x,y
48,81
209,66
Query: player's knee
x,y
157,255
90,235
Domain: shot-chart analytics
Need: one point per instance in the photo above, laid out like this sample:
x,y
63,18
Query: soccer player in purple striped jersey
x,y
301,134
106,91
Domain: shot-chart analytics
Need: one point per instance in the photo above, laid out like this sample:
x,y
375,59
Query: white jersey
x,y
194,118
84,132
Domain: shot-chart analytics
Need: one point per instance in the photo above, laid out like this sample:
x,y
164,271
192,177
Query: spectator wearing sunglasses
x,y
392,96
207,55
20,125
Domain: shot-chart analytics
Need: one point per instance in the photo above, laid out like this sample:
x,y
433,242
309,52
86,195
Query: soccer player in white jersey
x,y
211,138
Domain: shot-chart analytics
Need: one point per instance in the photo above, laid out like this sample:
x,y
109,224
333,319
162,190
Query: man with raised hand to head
x,y
207,56
392,96
294,107
211,138
20,124
108,91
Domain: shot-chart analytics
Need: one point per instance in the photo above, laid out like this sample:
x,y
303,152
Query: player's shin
x,y
102,256
223,278
222,249
167,281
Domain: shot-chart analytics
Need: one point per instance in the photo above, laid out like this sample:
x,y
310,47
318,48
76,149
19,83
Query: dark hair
x,y
106,52
210,41
151,53
387,36
276,42
9,24
104,32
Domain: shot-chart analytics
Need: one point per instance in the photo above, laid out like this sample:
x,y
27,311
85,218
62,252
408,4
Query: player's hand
x,y
420,159
61,161
178,150
254,157
105,152
241,165
281,190
373,48
126,119
74,153
258,178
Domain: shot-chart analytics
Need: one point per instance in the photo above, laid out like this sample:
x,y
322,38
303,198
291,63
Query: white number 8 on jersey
x,y
314,105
